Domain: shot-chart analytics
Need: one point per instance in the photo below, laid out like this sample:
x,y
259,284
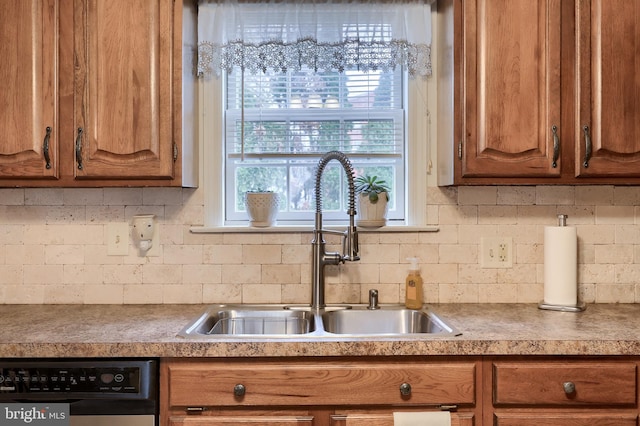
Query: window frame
x,y
421,100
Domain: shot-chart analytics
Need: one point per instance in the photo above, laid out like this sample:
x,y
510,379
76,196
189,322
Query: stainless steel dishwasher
x,y
100,392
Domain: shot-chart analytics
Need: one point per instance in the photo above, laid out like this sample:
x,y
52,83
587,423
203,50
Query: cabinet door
x,y
28,89
608,137
123,89
511,88
584,418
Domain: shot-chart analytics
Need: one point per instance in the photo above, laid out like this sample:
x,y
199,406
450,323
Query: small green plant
x,y
371,186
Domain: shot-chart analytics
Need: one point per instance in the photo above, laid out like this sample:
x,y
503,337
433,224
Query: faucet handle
x,y
350,244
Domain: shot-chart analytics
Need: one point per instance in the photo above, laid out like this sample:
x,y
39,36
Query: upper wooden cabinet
x,y
546,91
106,77
608,127
28,89
511,97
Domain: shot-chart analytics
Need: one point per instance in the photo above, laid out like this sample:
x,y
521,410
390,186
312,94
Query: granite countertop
x,y
151,331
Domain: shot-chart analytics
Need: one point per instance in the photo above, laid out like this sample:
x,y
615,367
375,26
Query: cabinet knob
x,y
239,390
405,389
569,387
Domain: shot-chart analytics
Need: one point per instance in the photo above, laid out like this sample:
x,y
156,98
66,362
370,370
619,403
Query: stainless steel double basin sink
x,y
292,321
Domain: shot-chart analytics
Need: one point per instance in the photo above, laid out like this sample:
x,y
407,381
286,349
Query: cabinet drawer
x,y
320,383
576,383
568,419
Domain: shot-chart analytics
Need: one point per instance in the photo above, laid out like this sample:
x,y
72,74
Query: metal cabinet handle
x,y
45,148
79,148
569,387
239,390
405,389
587,146
556,146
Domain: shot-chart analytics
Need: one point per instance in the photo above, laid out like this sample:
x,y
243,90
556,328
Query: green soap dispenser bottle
x,y
414,296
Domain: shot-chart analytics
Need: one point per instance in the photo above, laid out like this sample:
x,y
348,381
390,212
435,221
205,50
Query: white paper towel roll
x,y
427,418
560,266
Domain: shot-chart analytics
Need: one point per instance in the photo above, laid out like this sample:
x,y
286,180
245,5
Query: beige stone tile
x,y
104,214
83,274
201,274
280,274
427,253
122,274
529,253
516,195
12,196
624,234
161,196
222,254
614,253
13,275
296,254
43,274
221,293
64,293
597,274
500,215
458,253
161,274
538,215
23,214
474,274
458,215
343,293
379,253
122,196
24,294
241,274
172,234
66,214
24,254
183,255
261,293
529,293
615,293
104,294
445,234
11,234
472,234
83,196
262,254
361,273
594,195
442,195
296,293
555,195
623,274
477,195
186,293
519,273
597,234
616,215
626,195
442,273
433,215
577,215
64,254
387,293
44,196
458,293
143,294
498,293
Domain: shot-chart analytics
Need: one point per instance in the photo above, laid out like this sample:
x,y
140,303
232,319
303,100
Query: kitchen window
x,y
273,104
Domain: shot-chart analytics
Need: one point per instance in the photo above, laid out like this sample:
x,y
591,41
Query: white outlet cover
x,y
496,252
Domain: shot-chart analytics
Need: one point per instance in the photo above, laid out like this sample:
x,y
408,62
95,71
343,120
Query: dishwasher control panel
x,y
98,377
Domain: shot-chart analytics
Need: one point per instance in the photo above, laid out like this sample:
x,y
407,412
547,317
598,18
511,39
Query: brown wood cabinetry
x,y
346,392
546,91
571,391
96,99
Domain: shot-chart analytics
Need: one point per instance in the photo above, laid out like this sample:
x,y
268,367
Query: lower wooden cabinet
x,y
316,391
550,391
366,391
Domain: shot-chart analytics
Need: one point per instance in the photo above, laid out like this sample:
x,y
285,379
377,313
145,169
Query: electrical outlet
x,y
117,239
496,252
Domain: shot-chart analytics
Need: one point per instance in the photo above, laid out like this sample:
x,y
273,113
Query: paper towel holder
x,y
580,306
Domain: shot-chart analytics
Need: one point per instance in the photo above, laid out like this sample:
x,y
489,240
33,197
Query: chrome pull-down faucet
x,y
320,257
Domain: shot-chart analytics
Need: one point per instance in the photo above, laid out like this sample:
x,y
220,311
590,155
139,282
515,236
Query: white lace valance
x,y
323,35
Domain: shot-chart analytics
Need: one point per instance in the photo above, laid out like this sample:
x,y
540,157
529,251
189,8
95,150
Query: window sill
x,y
283,229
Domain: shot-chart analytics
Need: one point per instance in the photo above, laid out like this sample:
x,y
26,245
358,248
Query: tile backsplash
x,y
53,249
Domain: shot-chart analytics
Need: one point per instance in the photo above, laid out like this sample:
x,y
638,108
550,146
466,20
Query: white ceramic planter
x,y
371,215
262,208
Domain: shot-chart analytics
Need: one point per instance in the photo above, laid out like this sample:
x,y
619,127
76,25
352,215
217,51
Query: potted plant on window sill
x,y
262,207
372,201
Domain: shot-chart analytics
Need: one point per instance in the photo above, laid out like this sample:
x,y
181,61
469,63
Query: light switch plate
x,y
117,239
